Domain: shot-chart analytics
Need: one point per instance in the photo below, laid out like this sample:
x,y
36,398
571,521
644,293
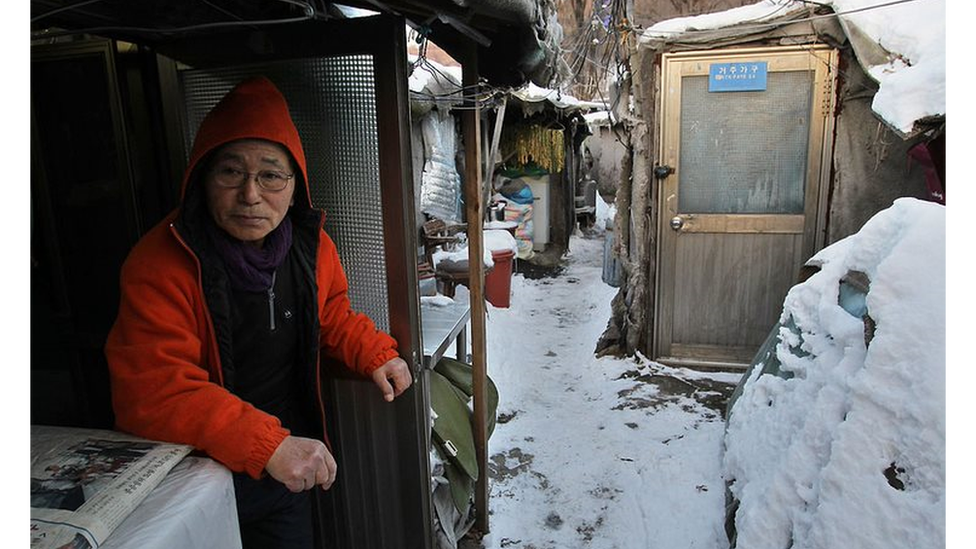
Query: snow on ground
x,y
596,452
851,450
627,453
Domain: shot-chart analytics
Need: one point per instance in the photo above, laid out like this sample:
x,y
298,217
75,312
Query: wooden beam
x,y
495,141
474,212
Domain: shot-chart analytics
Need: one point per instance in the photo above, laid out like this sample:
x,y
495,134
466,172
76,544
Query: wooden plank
x,y
412,438
743,223
825,96
669,149
703,364
474,210
495,141
789,58
731,287
715,353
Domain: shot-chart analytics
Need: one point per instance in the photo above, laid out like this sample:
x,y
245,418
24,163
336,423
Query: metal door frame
x,y
82,339
390,480
823,61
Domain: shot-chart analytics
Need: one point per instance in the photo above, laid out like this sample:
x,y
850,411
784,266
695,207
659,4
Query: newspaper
x,y
85,482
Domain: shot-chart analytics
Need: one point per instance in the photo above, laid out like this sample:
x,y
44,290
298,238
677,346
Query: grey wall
x,y
871,166
607,156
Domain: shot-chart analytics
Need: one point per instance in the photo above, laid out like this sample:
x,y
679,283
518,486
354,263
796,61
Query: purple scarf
x,y
249,268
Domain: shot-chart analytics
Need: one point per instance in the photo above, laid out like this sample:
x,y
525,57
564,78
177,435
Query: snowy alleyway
x,y
596,452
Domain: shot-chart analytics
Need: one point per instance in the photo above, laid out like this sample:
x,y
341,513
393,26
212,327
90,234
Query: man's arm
x,y
159,354
351,336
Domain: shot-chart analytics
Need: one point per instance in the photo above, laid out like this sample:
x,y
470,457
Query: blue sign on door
x,y
733,77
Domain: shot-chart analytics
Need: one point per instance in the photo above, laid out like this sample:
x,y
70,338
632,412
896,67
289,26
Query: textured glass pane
x,y
745,152
333,104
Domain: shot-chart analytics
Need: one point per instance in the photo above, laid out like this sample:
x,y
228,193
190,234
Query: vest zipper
x,y
218,368
271,297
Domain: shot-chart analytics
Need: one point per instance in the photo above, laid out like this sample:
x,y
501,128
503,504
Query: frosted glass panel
x,y
745,152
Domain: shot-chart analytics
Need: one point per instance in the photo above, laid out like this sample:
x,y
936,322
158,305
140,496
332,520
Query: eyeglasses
x,y
229,177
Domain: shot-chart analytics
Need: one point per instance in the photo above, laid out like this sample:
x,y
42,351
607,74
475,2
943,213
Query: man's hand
x,y
301,463
393,378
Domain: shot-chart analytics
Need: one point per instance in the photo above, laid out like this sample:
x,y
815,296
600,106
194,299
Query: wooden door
x,y
744,133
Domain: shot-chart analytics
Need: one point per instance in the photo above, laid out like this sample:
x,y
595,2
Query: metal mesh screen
x,y
745,152
333,104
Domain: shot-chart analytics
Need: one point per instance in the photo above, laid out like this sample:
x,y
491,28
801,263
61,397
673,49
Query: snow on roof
x,y
597,118
766,10
535,97
531,93
913,81
431,77
433,80
900,44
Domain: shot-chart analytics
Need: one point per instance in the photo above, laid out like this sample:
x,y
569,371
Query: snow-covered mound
x,y
846,445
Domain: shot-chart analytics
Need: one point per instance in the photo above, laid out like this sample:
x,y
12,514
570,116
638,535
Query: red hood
x,y
254,109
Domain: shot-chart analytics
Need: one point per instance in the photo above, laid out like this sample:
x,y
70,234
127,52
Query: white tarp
x,y
440,190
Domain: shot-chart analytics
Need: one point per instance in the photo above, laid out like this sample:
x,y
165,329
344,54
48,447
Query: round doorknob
x,y
677,222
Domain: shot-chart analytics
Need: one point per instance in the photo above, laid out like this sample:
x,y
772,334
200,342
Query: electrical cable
x,y
310,13
62,9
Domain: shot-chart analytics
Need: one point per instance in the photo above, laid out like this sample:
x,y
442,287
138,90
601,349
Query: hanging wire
x,y
474,96
310,13
588,50
222,10
63,9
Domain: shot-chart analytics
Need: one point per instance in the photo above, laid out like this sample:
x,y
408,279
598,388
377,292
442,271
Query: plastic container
x,y
498,282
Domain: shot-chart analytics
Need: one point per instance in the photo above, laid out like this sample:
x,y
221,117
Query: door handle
x,y
662,172
677,222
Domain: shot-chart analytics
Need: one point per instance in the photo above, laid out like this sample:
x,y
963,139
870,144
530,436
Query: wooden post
x,y
474,211
493,149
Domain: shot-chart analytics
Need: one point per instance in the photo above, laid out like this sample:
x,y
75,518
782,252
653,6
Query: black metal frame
x,y
103,49
72,332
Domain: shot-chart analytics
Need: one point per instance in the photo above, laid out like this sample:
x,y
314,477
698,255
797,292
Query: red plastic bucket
x,y
498,281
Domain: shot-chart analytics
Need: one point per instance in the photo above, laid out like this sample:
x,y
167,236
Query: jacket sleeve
x,y
347,335
161,364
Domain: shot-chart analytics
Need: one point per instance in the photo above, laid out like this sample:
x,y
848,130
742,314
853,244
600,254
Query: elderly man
x,y
226,306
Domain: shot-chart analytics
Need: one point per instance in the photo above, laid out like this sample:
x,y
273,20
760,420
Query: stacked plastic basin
x,y
498,281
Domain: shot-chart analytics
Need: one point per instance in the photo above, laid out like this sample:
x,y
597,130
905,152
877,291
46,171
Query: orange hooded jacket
x,y
164,350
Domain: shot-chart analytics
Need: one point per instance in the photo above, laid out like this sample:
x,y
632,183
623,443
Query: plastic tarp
x,y
440,193
455,466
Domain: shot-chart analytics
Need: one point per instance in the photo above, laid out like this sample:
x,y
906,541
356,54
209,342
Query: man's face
x,y
248,211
